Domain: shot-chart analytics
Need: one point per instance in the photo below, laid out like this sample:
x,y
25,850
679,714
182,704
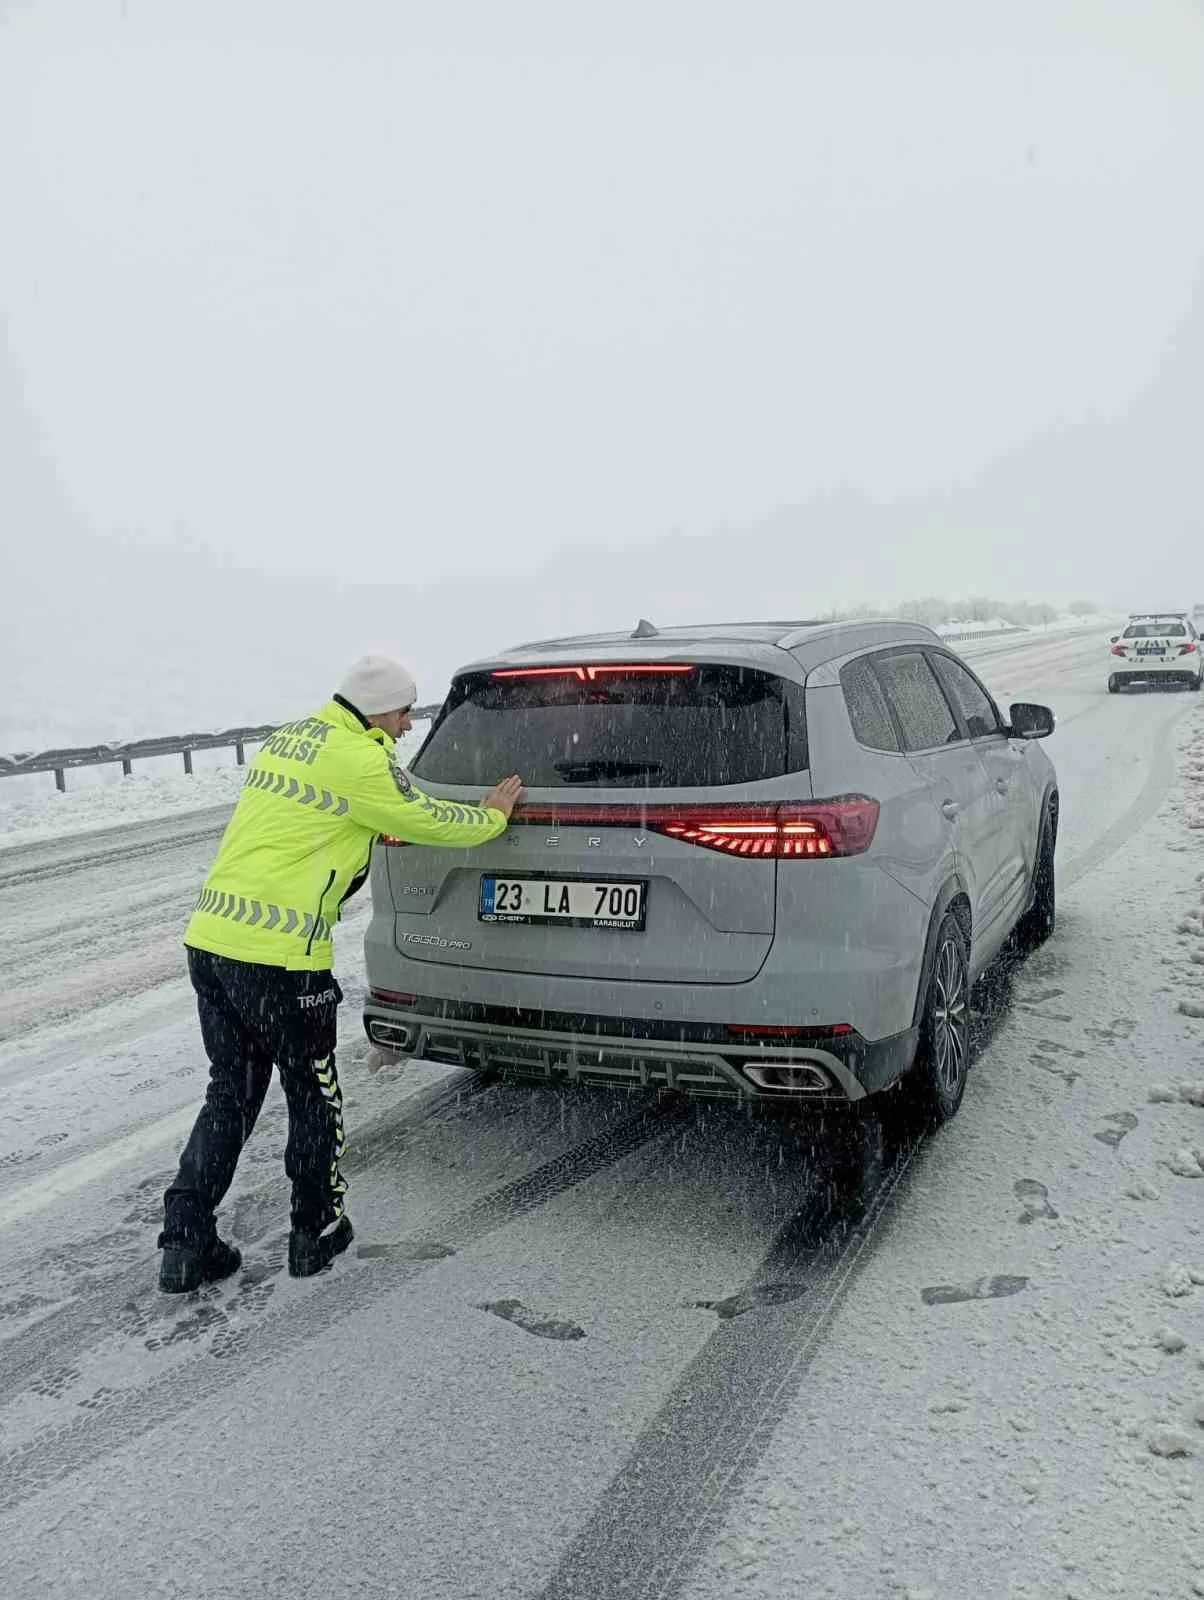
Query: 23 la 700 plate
x,y
576,902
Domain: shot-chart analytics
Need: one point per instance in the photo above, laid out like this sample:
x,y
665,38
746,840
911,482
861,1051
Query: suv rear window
x,y
705,726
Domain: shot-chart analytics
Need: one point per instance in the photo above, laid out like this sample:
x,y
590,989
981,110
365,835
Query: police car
x,y
1156,647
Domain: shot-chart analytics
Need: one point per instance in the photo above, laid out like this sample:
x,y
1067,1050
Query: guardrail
x,y
60,762
981,633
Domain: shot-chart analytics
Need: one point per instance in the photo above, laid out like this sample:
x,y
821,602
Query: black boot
x,y
310,1252
188,1266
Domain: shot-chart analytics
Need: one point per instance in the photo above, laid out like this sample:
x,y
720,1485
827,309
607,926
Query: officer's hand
x,y
504,796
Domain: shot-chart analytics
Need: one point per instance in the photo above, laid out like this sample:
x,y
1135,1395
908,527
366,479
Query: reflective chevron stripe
x,y
450,811
292,789
328,1083
237,908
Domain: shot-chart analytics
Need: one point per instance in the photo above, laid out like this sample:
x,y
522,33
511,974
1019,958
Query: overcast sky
x,y
438,327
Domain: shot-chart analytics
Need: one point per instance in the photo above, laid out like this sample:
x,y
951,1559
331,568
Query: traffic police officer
x,y
259,955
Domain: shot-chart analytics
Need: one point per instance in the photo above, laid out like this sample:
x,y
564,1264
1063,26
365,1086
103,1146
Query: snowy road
x,y
593,1346
95,919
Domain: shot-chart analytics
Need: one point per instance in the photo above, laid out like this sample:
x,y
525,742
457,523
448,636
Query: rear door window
x,y
978,710
869,714
704,725
917,700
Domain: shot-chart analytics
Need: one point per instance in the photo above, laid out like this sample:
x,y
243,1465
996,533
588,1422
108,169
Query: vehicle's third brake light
x,y
792,831
642,669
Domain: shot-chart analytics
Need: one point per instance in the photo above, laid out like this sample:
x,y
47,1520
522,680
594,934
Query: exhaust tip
x,y
792,1077
391,1035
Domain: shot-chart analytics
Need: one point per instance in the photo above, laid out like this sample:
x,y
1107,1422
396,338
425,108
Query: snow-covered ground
x,y
586,1354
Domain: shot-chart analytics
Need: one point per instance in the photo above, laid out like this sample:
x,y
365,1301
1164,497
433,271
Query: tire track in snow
x,y
1161,776
123,1416
664,1505
20,864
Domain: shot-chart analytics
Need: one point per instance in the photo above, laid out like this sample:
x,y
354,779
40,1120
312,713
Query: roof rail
x,y
763,622
800,631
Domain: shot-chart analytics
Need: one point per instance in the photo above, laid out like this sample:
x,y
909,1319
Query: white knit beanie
x,y
375,684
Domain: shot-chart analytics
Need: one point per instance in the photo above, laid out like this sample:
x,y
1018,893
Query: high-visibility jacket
x,y
317,795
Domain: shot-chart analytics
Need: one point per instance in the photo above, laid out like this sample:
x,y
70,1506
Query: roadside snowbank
x,y
1101,623
995,625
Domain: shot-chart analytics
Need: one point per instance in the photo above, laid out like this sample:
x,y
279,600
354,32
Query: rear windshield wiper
x,y
605,767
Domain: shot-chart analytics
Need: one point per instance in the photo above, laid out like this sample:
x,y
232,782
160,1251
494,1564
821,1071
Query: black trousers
x,y
251,1018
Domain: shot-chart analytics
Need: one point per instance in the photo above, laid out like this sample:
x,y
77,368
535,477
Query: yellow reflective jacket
x,y
316,797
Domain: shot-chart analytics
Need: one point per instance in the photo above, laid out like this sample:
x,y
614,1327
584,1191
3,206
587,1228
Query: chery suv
x,y
763,859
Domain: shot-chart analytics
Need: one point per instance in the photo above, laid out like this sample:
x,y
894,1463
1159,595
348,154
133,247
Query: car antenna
x,y
645,630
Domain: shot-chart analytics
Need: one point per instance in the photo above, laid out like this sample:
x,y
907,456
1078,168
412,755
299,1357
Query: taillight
x,y
833,828
1188,649
1119,650
795,830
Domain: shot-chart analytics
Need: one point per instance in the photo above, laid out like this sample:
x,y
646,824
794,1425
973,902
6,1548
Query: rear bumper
x,y
700,1060
1132,670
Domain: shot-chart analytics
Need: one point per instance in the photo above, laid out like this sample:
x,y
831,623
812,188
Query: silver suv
x,y
763,859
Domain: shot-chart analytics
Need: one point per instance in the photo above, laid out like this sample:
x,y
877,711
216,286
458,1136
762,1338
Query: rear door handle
x,y
1002,785
950,808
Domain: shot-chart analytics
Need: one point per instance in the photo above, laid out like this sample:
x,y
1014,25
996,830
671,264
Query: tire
x,y
1037,923
1113,684
1194,684
932,1090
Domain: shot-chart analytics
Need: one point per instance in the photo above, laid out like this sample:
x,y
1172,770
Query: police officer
x,y
259,956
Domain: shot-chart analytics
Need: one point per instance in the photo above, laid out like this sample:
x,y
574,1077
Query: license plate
x,y
576,902
1150,650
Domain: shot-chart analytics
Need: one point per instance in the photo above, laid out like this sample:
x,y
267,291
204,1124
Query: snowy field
x,y
591,1347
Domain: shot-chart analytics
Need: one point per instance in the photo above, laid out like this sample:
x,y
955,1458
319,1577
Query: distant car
x,y
1162,647
756,860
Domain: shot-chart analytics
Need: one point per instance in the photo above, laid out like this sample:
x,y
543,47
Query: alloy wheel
x,y
950,1017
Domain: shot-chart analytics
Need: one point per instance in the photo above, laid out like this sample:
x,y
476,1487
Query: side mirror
x,y
1115,639
1031,722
